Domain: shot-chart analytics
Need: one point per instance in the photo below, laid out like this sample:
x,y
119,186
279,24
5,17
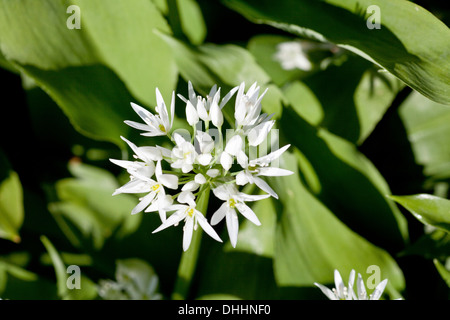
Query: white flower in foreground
x,y
183,154
202,162
340,292
205,147
234,200
260,167
292,55
233,148
155,125
191,216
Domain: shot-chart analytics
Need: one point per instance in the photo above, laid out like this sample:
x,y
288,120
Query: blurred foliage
x,y
369,120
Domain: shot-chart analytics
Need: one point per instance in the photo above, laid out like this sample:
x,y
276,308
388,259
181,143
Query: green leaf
x,y
421,60
428,209
95,112
86,201
346,182
428,127
311,242
191,20
11,202
94,72
353,97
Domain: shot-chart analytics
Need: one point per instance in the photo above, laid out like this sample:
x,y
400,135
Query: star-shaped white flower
x,y
234,200
248,105
192,217
260,167
183,154
340,292
141,179
205,145
292,55
233,148
155,125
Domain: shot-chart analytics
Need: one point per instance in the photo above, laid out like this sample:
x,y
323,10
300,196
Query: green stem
x,y
188,262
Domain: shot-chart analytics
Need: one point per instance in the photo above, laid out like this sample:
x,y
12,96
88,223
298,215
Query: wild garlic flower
x,y
341,292
293,55
171,179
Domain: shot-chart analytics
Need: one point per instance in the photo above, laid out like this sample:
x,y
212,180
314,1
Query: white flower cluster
x,y
341,292
201,162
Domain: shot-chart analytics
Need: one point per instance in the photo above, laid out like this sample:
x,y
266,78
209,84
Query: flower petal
x,y
264,186
187,234
376,294
259,133
226,161
219,214
273,172
216,115
232,226
191,114
330,294
248,213
206,226
234,145
145,201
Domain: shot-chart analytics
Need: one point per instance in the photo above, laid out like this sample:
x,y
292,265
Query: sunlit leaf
x,y
428,209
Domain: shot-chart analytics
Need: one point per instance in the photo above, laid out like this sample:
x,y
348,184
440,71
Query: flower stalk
x,y
188,262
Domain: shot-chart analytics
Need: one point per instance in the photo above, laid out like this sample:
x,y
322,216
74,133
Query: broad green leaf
x,y
86,201
122,33
11,202
311,242
353,96
93,72
97,112
428,127
304,102
428,209
417,53
191,20
346,182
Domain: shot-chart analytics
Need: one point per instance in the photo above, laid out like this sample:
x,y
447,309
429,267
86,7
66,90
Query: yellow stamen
x,y
190,212
162,128
232,203
156,187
